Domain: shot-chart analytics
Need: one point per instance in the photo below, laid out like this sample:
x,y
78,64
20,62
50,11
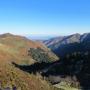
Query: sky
x,y
44,17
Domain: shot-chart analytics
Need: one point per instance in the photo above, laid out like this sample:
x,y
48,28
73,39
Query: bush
x,y
39,55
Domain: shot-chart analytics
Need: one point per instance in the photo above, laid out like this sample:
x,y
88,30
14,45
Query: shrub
x,y
39,55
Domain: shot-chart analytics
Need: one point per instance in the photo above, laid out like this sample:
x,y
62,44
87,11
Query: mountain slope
x,y
18,46
72,70
68,44
15,48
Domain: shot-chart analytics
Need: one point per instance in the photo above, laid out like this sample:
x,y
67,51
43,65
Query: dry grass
x,y
14,49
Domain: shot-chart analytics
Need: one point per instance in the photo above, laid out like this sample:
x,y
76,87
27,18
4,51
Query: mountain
x,y
63,40
62,46
16,49
73,68
30,65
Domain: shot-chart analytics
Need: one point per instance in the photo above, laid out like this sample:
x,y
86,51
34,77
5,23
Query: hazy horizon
x,y
42,37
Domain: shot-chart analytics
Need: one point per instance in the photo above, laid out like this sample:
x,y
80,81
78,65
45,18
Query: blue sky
x,y
44,17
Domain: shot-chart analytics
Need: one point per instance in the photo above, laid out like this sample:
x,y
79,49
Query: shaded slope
x,y
72,72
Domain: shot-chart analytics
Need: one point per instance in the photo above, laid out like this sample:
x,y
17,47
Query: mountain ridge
x,y
80,37
64,45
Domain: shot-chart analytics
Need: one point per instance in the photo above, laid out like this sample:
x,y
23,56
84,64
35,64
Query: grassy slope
x,y
14,48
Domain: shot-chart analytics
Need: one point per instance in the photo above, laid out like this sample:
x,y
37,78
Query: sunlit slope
x,y
15,49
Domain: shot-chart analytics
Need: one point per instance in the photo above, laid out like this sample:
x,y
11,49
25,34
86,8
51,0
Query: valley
x,y
61,63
